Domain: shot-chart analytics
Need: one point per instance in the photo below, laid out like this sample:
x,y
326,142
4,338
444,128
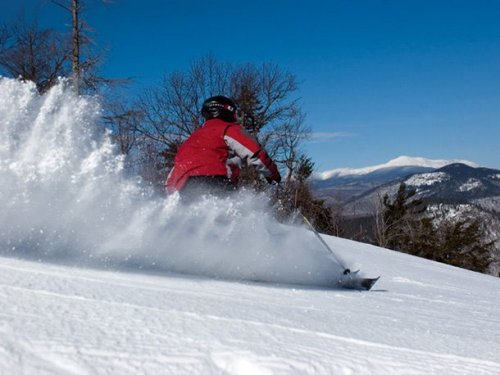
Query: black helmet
x,y
219,107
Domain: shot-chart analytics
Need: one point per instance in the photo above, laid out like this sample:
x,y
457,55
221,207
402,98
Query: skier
x,y
209,161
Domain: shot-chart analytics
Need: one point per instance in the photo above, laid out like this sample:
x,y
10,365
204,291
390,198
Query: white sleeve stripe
x,y
245,153
237,147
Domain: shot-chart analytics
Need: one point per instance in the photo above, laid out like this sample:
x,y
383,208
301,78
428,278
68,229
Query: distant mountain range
x,y
400,162
449,189
452,184
342,185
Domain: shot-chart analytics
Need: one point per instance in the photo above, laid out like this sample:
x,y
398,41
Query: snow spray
x,y
64,197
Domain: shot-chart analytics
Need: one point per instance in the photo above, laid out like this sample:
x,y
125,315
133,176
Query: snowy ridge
x,y
459,181
470,184
427,179
402,161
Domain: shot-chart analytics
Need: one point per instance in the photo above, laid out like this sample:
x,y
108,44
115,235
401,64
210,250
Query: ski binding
x,y
350,280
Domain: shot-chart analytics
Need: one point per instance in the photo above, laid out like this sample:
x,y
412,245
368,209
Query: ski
x,y
351,280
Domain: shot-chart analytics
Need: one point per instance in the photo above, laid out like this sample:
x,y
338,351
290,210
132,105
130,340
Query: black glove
x,y
276,180
249,123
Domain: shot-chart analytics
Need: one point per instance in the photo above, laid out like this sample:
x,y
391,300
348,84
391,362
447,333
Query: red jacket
x,y
216,149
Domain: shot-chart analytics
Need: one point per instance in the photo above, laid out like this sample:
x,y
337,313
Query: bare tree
x,y
33,54
381,225
263,92
83,68
123,120
43,55
172,109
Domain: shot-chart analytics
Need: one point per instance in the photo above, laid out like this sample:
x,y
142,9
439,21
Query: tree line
x,y
405,224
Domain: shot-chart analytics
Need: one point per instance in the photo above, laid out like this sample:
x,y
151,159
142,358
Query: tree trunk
x,y
76,46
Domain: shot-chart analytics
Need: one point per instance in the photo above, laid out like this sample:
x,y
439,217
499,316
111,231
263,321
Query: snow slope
x,y
99,275
422,317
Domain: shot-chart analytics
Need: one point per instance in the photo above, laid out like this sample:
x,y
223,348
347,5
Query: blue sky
x,y
378,78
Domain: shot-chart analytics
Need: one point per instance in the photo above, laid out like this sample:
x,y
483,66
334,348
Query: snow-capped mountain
x,y
454,183
341,185
457,182
399,162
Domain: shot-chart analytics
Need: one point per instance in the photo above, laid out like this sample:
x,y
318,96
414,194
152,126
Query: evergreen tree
x,y
297,195
462,244
406,227
401,218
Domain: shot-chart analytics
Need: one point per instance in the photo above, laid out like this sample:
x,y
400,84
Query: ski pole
x,y
337,259
346,271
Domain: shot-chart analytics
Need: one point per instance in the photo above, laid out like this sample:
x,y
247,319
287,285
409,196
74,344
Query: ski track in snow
x,y
70,320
